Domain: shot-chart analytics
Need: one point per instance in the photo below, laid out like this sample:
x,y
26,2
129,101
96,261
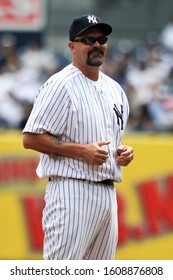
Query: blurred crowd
x,y
145,72
22,71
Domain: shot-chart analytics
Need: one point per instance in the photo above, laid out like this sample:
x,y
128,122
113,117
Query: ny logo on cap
x,y
92,19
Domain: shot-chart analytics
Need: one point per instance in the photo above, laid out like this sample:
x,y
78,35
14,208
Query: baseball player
x,y
77,124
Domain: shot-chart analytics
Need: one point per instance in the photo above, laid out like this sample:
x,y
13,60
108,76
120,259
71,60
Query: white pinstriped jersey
x,y
79,110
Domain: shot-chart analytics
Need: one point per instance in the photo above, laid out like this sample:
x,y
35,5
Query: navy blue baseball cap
x,y
84,22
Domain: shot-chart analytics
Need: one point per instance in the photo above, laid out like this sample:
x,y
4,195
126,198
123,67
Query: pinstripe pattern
x,y
79,110
78,222
79,218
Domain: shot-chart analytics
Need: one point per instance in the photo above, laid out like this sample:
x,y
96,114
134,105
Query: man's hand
x,y
93,153
125,155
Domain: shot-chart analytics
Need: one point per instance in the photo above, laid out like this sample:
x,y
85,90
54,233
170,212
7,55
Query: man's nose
x,y
96,44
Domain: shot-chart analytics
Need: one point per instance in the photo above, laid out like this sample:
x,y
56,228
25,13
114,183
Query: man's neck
x,y
91,72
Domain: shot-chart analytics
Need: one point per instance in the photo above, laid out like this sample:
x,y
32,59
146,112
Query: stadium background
x,y
145,196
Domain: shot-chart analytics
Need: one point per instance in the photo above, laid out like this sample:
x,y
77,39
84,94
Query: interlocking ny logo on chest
x,y
119,115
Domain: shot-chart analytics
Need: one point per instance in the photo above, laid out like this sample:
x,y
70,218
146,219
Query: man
x,y
77,124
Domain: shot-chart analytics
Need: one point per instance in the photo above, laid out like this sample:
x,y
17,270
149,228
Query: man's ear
x,y
71,46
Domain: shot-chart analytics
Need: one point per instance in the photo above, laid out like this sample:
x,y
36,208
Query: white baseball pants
x,y
79,221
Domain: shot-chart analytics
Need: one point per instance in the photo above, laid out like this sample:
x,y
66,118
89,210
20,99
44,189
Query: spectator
x,y
41,59
10,110
166,35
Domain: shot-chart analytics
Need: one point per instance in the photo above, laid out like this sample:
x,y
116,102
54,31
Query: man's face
x,y
93,54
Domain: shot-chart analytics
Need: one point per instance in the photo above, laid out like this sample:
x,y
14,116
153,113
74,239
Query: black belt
x,y
104,182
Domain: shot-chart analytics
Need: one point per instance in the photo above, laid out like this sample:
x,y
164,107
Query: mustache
x,y
98,50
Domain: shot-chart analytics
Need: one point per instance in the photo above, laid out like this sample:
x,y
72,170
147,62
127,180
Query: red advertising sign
x,y
22,14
